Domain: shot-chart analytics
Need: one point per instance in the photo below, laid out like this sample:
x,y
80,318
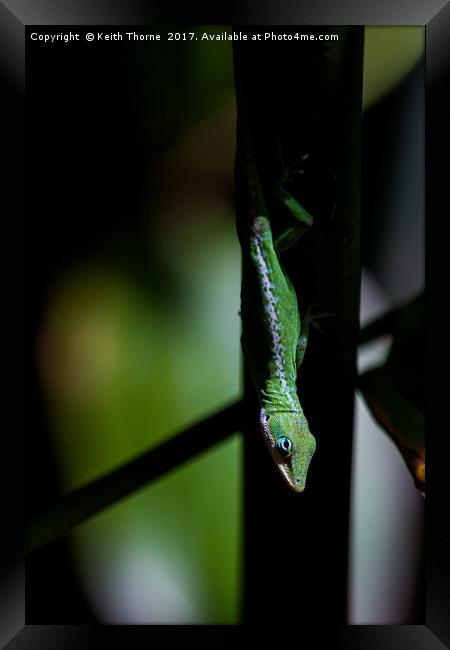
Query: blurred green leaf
x,y
185,81
390,54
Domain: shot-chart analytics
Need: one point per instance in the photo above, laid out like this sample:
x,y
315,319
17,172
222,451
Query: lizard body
x,y
273,339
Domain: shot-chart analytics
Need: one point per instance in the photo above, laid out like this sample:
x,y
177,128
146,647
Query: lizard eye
x,y
284,445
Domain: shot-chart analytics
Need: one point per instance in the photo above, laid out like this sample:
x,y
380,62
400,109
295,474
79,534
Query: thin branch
x,y
401,317
79,505
378,327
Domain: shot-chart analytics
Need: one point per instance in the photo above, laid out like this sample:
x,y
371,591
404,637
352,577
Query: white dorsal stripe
x,y
275,327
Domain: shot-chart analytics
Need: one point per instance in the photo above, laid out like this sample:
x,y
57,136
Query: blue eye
x,y
284,445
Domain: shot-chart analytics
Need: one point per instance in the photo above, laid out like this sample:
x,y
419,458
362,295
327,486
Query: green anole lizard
x,y
274,339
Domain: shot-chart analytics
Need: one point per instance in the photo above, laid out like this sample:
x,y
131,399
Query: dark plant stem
x,y
77,506
296,546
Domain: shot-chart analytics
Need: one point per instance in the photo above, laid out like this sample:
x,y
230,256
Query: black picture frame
x,y
14,17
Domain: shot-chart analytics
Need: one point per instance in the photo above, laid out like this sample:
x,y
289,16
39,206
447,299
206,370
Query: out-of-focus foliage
x,y
121,375
174,84
390,53
126,363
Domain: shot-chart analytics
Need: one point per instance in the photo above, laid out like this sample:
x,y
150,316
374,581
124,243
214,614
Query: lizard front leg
x,y
303,219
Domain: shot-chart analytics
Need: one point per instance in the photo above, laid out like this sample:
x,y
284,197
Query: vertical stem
x,y
296,545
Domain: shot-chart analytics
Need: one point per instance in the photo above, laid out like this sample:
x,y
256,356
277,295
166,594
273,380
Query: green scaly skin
x,y
273,340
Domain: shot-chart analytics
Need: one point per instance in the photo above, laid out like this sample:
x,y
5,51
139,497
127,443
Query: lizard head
x,y
291,445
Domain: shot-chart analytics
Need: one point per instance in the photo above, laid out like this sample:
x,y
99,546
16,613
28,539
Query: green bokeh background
x,y
127,363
